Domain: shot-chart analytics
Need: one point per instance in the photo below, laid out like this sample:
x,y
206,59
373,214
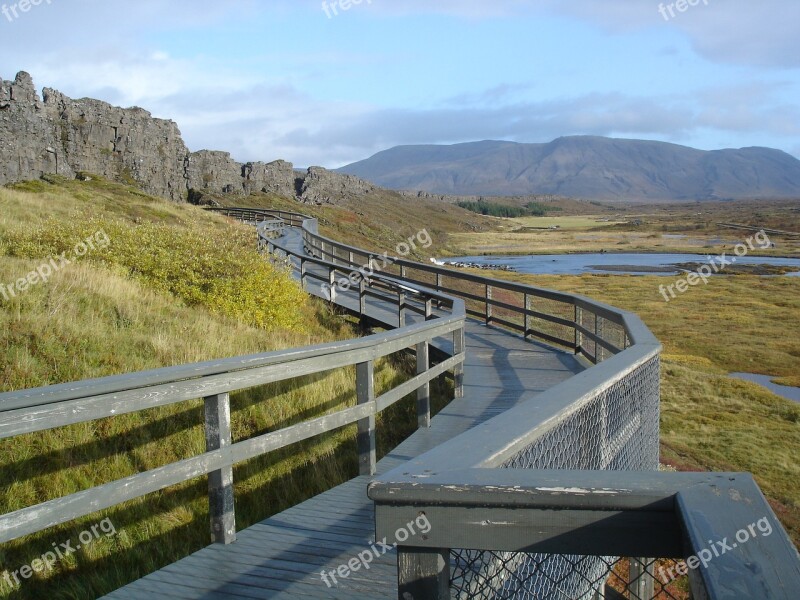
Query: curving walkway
x,y
282,557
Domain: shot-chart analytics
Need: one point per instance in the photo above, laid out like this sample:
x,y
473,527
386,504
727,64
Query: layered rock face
x,y
59,135
321,186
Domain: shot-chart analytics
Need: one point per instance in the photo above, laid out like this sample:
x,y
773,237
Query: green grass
x,y
176,285
562,222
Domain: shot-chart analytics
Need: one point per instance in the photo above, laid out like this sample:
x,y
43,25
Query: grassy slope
x,y
381,220
99,317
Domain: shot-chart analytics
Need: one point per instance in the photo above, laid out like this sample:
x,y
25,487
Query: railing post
x,y
459,344
598,329
332,284
578,335
302,272
428,309
424,391
488,304
597,347
362,296
401,308
527,317
423,573
640,583
600,593
220,482
350,258
365,392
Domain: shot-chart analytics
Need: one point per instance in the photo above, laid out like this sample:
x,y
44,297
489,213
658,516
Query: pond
x,y
792,393
614,263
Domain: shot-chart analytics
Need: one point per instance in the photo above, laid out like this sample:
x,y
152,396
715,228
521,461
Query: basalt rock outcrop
x,y
55,134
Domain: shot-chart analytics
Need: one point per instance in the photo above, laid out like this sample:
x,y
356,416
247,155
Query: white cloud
x,y
258,114
743,32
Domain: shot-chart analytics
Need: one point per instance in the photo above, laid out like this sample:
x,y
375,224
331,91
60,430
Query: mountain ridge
x,y
590,167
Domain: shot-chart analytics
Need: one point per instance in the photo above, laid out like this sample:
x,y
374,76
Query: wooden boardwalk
x,y
282,557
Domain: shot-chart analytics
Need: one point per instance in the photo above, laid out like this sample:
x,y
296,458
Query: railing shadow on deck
x,y
524,505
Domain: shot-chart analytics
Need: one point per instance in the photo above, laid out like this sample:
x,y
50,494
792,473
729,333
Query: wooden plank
x,y
276,574
366,441
424,391
541,530
423,573
220,482
741,549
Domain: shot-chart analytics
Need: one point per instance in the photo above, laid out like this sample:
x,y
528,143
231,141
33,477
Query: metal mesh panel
x,y
617,430
562,577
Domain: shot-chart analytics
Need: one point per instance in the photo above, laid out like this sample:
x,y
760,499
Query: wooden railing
x,y
55,406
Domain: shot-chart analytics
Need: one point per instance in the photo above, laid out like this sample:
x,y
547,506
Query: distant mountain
x,y
589,167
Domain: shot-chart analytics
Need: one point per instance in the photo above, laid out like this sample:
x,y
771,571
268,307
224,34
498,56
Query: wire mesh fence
x,y
616,429
565,577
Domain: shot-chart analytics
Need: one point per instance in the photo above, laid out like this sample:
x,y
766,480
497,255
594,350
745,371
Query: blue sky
x,y
287,79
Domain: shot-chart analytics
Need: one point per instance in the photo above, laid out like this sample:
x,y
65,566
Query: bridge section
x,y
284,556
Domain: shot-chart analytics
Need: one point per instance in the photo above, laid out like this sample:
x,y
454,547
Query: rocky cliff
x,y
56,134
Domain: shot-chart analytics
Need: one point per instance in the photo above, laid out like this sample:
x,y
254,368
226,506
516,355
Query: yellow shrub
x,y
215,267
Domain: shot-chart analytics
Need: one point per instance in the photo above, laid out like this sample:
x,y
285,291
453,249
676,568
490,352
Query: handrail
x,y
33,410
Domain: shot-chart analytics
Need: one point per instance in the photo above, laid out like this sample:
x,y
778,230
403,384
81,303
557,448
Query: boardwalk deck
x,y
283,556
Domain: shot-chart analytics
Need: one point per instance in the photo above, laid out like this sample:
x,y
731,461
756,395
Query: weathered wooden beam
x,y
401,308
366,439
220,482
423,573
459,347
735,545
541,530
488,302
424,391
